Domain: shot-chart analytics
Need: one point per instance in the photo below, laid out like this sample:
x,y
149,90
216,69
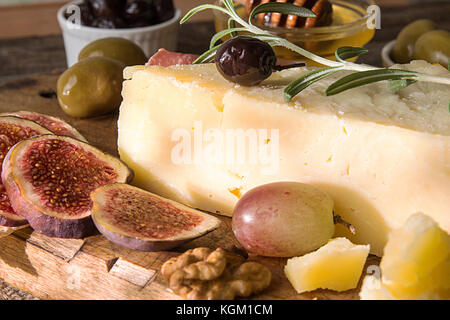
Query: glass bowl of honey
x,y
351,24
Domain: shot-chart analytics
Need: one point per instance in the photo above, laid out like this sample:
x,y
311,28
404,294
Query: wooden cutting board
x,y
94,268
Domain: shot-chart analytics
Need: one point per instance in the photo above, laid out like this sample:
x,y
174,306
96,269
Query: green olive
x,y
91,87
403,51
119,49
434,47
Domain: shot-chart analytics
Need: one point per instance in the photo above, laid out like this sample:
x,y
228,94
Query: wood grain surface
x,y
94,268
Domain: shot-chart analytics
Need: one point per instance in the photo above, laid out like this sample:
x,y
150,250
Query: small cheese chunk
x,y
337,266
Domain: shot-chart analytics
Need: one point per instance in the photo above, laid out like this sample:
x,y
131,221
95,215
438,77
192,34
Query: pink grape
x,y
283,219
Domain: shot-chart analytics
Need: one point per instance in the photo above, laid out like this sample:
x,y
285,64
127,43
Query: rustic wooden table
x,y
24,55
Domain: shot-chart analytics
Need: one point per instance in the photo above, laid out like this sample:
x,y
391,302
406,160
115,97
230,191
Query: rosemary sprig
x,y
364,74
284,8
365,77
344,53
306,80
207,56
396,85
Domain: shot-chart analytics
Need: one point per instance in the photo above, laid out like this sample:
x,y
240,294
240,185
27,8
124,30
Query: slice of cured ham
x,y
167,58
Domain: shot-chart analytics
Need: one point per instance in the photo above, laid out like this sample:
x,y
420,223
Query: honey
x,y
349,28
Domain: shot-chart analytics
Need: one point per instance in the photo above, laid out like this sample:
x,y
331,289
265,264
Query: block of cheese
x,y
194,137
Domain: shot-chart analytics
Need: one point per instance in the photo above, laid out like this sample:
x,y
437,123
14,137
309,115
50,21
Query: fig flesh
x,y
55,125
139,220
12,131
49,179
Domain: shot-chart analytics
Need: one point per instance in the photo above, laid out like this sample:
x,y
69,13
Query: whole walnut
x,y
205,274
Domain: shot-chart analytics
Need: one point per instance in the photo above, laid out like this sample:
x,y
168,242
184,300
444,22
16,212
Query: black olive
x,y
87,17
139,13
106,9
165,9
246,61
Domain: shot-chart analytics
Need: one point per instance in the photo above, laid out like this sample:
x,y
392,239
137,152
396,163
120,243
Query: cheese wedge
x,y
338,265
191,136
415,265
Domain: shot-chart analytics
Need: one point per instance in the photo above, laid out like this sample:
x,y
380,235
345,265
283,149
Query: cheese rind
x,y
381,156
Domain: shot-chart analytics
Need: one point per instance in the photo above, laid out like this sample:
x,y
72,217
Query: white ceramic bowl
x,y
386,54
150,39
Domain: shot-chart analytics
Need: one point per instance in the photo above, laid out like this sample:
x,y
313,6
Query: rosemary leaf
x,y
280,7
207,56
365,77
229,4
201,8
219,35
298,85
396,85
364,74
232,25
344,53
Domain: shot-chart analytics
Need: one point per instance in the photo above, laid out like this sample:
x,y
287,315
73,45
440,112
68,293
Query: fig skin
x,y
137,244
40,221
56,125
119,237
12,221
6,218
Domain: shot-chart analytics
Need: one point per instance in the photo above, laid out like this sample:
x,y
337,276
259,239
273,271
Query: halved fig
x,y
139,220
55,125
12,131
49,180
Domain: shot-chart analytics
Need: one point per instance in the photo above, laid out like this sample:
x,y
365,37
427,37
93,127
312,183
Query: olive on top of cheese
x,y
192,136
